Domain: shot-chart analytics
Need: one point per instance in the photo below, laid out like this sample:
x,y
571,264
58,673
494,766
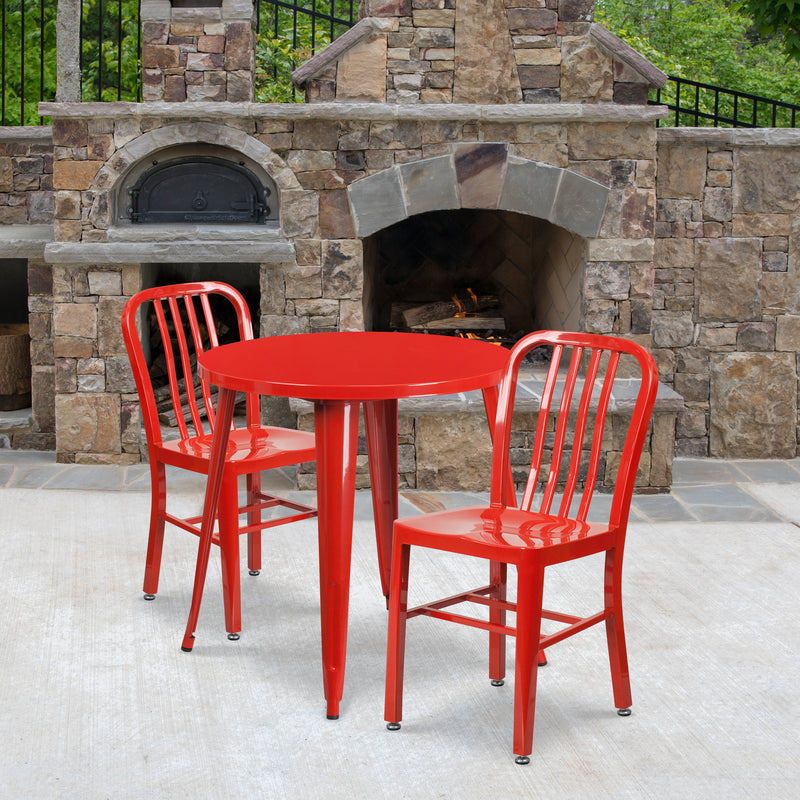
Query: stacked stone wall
x,y
26,177
198,54
480,51
726,304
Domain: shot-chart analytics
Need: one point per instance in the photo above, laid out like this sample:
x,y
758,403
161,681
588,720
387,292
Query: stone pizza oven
x,y
499,146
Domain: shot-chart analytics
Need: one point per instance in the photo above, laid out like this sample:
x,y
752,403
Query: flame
x,y
462,312
490,339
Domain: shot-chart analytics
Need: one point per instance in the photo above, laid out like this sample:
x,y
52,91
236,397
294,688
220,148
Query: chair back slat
x,y
581,422
211,327
541,425
562,422
188,369
187,325
567,453
599,428
169,357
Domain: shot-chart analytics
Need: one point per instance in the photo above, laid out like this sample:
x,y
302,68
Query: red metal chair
x,y
566,456
187,321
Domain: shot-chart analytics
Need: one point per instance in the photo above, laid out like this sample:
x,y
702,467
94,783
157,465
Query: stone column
x,y
198,53
68,59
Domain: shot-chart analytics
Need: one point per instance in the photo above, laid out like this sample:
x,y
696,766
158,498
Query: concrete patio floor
x,y
99,701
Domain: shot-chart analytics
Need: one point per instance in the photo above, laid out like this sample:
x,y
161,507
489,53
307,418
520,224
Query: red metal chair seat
x,y
567,455
187,322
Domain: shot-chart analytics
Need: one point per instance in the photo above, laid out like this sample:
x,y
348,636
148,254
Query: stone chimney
x,y
478,52
198,50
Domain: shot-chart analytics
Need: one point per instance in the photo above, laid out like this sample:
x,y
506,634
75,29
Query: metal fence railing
x,y
110,50
27,62
697,104
290,31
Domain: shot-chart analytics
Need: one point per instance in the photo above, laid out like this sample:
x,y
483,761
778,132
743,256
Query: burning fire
x,y
462,311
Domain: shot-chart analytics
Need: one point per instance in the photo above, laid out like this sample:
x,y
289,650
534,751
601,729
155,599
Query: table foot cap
x,y
333,716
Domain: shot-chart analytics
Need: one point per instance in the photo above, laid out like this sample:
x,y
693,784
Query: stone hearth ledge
x,y
521,112
159,244
24,241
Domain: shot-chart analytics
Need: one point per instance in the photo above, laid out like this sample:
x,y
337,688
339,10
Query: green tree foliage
x,y
777,18
109,50
289,37
710,41
109,54
703,40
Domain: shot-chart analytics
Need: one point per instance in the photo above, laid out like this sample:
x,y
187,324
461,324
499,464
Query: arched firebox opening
x,y
491,274
244,277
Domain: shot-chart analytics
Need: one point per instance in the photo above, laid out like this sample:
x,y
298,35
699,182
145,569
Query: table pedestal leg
x,y
380,418
336,428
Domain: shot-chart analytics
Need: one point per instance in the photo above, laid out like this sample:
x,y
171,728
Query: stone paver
x,y
704,490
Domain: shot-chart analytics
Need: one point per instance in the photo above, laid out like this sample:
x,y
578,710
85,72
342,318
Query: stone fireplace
x,y
525,172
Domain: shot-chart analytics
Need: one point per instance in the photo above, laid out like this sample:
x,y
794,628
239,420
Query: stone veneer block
x,y
361,72
486,71
530,188
766,180
727,280
75,174
579,204
88,423
377,202
480,172
744,424
430,185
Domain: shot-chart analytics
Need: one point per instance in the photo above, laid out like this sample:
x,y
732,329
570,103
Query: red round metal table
x,y
339,372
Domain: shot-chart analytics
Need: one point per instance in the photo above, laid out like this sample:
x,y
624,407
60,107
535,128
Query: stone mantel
x,y
27,133
519,113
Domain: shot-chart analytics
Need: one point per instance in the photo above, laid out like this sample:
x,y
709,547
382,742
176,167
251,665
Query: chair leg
x,y
396,640
253,518
498,578
615,633
529,623
229,555
155,541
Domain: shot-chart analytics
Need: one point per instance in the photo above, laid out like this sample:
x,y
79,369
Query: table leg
x,y
216,466
491,395
380,419
336,428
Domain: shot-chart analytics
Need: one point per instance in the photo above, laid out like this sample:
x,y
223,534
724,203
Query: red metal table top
x,y
355,365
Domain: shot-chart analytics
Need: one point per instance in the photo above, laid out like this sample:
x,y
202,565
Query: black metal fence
x,y
289,32
695,104
110,50
306,22
27,58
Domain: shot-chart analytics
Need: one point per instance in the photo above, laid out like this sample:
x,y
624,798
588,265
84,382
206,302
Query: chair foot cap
x,y
498,683
234,637
186,649
149,597
522,760
392,726
333,716
255,572
624,712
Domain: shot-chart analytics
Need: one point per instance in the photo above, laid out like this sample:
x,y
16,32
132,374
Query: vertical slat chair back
x,y
176,313
573,419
